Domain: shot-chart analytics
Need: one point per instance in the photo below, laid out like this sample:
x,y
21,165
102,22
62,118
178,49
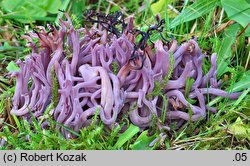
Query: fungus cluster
x,y
114,70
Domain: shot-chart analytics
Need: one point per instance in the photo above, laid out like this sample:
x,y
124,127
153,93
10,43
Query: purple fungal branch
x,y
104,71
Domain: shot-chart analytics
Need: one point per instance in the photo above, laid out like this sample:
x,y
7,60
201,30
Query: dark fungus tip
x,y
61,10
162,21
137,61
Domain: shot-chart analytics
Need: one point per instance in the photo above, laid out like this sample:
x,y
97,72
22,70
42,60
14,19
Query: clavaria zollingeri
x,y
112,72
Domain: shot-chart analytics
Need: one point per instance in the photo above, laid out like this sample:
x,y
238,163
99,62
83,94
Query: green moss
x,y
159,86
55,87
75,21
115,67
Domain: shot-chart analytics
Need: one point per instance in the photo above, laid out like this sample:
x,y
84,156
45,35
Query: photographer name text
x,y
31,157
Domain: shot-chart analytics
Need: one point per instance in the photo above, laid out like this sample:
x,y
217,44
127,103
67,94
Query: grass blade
x,y
126,136
194,11
143,141
238,11
225,51
24,17
242,84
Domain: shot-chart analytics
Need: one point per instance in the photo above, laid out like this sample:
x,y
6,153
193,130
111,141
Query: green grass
x,y
227,129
